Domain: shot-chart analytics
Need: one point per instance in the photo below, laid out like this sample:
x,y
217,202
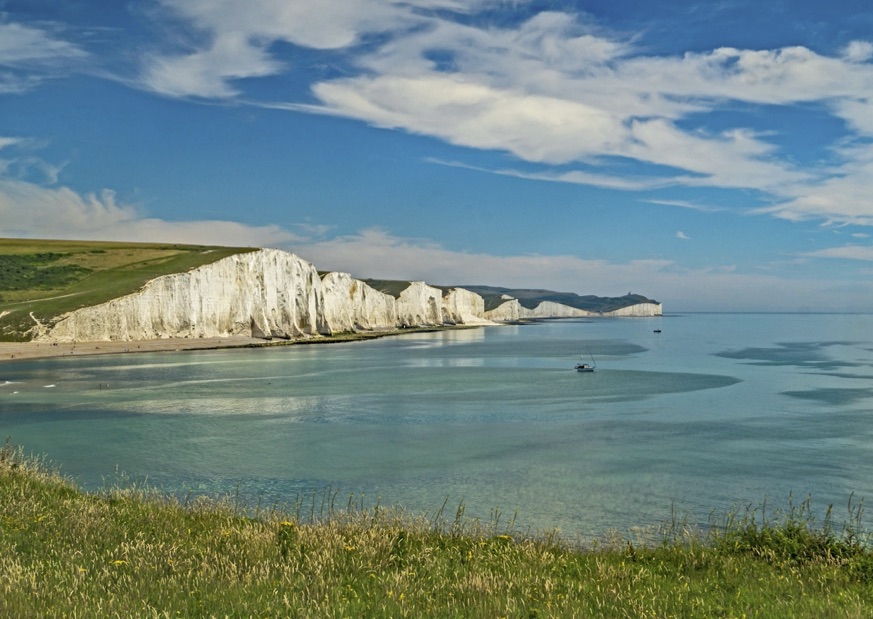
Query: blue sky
x,y
712,155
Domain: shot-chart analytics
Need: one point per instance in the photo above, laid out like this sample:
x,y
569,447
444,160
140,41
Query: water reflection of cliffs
x,y
275,294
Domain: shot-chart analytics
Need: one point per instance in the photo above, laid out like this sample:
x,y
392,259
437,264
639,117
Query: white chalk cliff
x,y
508,311
267,293
550,309
638,310
420,305
275,294
462,307
352,305
511,310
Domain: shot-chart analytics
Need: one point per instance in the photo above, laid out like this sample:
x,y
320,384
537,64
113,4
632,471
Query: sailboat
x,y
586,367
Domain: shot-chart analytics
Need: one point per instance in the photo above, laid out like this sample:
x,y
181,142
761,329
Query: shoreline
x,y
25,351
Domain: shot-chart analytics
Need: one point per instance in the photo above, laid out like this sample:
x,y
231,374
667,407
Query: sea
x,y
687,417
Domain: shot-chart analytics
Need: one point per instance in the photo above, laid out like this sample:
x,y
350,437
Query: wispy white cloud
x,y
377,253
533,127
842,199
209,73
22,46
30,210
576,177
33,205
21,162
238,37
6,142
682,235
29,54
847,252
704,208
502,90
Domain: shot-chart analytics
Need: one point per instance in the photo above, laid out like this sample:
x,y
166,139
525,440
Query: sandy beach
x,y
19,351
14,351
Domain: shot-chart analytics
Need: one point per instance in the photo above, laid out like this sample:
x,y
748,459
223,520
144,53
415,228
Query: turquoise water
x,y
717,410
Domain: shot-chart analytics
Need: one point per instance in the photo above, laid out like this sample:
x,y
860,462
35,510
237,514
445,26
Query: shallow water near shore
x,y
716,410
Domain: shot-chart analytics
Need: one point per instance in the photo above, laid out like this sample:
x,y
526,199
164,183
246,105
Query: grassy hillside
x,y
530,298
49,278
128,552
391,287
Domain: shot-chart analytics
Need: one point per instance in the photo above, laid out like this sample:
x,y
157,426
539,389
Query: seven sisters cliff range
x,y
270,293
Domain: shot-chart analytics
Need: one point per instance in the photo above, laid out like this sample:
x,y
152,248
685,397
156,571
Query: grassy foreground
x,y
133,553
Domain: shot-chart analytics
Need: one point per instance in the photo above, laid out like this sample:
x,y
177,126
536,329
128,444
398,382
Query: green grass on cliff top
x,y
48,278
131,552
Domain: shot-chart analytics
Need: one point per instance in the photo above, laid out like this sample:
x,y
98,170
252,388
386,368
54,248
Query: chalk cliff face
x,y
352,305
505,312
268,293
462,307
275,294
550,309
512,310
420,305
638,310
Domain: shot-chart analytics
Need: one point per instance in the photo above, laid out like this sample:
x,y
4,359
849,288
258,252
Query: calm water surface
x,y
717,410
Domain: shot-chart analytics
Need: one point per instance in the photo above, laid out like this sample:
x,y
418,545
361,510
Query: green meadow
x,y
131,552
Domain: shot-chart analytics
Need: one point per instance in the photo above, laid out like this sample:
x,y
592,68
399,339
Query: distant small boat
x,y
586,367
657,330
